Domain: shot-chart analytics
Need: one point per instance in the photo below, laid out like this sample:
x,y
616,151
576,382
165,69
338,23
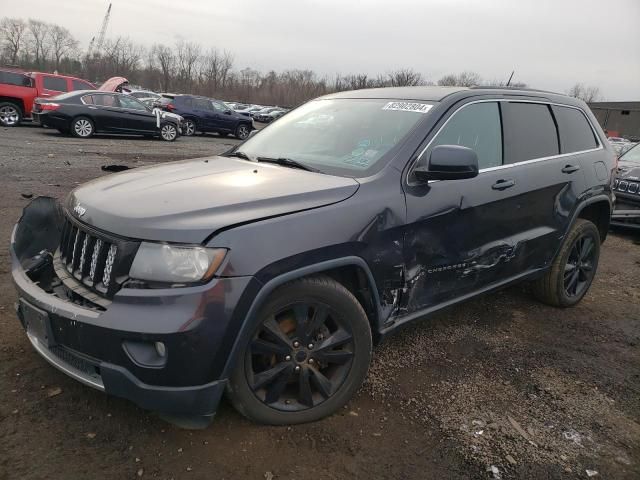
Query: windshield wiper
x,y
239,154
287,162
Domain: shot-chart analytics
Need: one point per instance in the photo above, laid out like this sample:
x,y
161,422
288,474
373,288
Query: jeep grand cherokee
x,y
269,272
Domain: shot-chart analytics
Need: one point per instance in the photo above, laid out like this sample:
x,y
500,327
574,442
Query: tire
x,y
188,128
82,127
242,131
168,132
287,376
10,114
573,270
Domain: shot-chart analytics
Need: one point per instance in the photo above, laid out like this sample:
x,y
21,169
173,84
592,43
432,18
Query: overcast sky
x,y
551,44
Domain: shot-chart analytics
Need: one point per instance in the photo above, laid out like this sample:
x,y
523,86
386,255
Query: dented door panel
x,y
462,235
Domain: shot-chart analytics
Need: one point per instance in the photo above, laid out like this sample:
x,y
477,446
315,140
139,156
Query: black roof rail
x,y
504,87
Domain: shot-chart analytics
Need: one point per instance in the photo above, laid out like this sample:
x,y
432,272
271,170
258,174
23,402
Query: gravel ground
x,y
497,387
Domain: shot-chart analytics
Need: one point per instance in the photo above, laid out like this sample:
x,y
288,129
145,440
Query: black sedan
x,y
83,113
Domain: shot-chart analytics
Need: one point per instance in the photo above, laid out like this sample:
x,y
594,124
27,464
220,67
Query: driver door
x,y
137,117
461,235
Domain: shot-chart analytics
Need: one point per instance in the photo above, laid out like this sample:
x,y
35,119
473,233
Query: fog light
x,y
161,350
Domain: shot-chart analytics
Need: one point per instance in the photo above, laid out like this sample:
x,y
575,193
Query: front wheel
x,y
572,272
168,132
306,357
243,131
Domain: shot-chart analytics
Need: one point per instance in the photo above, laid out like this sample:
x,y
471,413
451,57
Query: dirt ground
x,y
501,382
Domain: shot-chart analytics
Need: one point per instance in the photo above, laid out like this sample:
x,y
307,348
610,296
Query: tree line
x,y
187,67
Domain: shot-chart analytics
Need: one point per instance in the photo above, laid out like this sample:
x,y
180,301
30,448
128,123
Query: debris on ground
x,y
495,472
52,392
591,473
114,168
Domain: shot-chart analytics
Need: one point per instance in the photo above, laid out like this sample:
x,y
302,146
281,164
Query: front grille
x,y
626,186
99,261
76,361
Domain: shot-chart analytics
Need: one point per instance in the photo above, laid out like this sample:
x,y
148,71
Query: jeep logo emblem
x,y
79,210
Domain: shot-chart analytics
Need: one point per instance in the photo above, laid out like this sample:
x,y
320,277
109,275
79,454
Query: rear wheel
x,y
82,127
307,356
188,128
242,131
10,114
168,132
572,272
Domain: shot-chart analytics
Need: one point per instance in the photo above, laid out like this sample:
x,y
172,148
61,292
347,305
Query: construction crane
x,y
101,34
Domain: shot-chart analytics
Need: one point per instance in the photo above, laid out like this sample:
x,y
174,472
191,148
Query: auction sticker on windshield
x,y
408,107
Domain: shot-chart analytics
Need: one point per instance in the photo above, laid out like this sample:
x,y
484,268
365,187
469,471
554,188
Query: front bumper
x,y
110,350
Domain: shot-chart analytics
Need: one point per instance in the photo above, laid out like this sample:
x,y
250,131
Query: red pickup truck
x,y
19,89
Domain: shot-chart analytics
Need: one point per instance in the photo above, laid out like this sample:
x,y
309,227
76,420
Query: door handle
x,y
503,184
570,168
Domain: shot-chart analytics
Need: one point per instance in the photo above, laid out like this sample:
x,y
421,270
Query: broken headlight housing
x,y
160,262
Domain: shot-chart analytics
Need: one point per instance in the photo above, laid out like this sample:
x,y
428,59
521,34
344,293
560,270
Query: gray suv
x,y
270,271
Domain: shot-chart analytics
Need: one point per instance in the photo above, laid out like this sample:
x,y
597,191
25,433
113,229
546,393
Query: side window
x,y
202,104
17,79
219,106
575,131
529,132
55,83
88,100
186,101
476,126
80,85
105,100
131,103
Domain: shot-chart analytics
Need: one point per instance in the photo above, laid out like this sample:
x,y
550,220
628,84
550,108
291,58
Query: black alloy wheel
x,y
308,353
299,357
189,128
579,269
243,131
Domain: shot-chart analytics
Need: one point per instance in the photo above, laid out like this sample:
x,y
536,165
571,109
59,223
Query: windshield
x,y
632,155
348,137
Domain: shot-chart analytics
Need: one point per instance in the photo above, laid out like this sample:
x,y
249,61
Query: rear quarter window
x,y
529,132
55,83
576,134
17,79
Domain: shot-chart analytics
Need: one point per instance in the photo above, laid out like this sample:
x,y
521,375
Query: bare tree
x,y
584,92
464,79
62,43
38,41
12,35
405,78
167,60
187,57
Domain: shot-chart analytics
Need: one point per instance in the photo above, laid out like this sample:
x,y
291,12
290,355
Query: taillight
x,y
171,107
49,106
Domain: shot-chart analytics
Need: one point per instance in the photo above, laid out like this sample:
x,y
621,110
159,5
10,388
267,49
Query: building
x,y
618,119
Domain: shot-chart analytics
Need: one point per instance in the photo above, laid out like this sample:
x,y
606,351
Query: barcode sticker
x,y
408,107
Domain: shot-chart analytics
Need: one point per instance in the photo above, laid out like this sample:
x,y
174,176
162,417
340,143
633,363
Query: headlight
x,y
175,264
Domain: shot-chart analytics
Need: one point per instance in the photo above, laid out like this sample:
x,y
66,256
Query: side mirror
x,y
227,112
448,162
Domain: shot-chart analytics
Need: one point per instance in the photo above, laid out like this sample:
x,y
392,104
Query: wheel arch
x,y
17,101
352,272
597,211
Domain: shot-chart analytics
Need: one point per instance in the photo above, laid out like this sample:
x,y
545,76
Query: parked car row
x,y
621,145
259,113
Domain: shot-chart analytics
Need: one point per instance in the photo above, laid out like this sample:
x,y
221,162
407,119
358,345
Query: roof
x,y
433,94
437,94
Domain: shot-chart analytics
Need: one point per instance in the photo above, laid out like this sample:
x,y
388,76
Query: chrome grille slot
x,y
97,260
633,188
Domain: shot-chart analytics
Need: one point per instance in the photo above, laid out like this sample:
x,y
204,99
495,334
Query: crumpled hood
x,y
188,201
